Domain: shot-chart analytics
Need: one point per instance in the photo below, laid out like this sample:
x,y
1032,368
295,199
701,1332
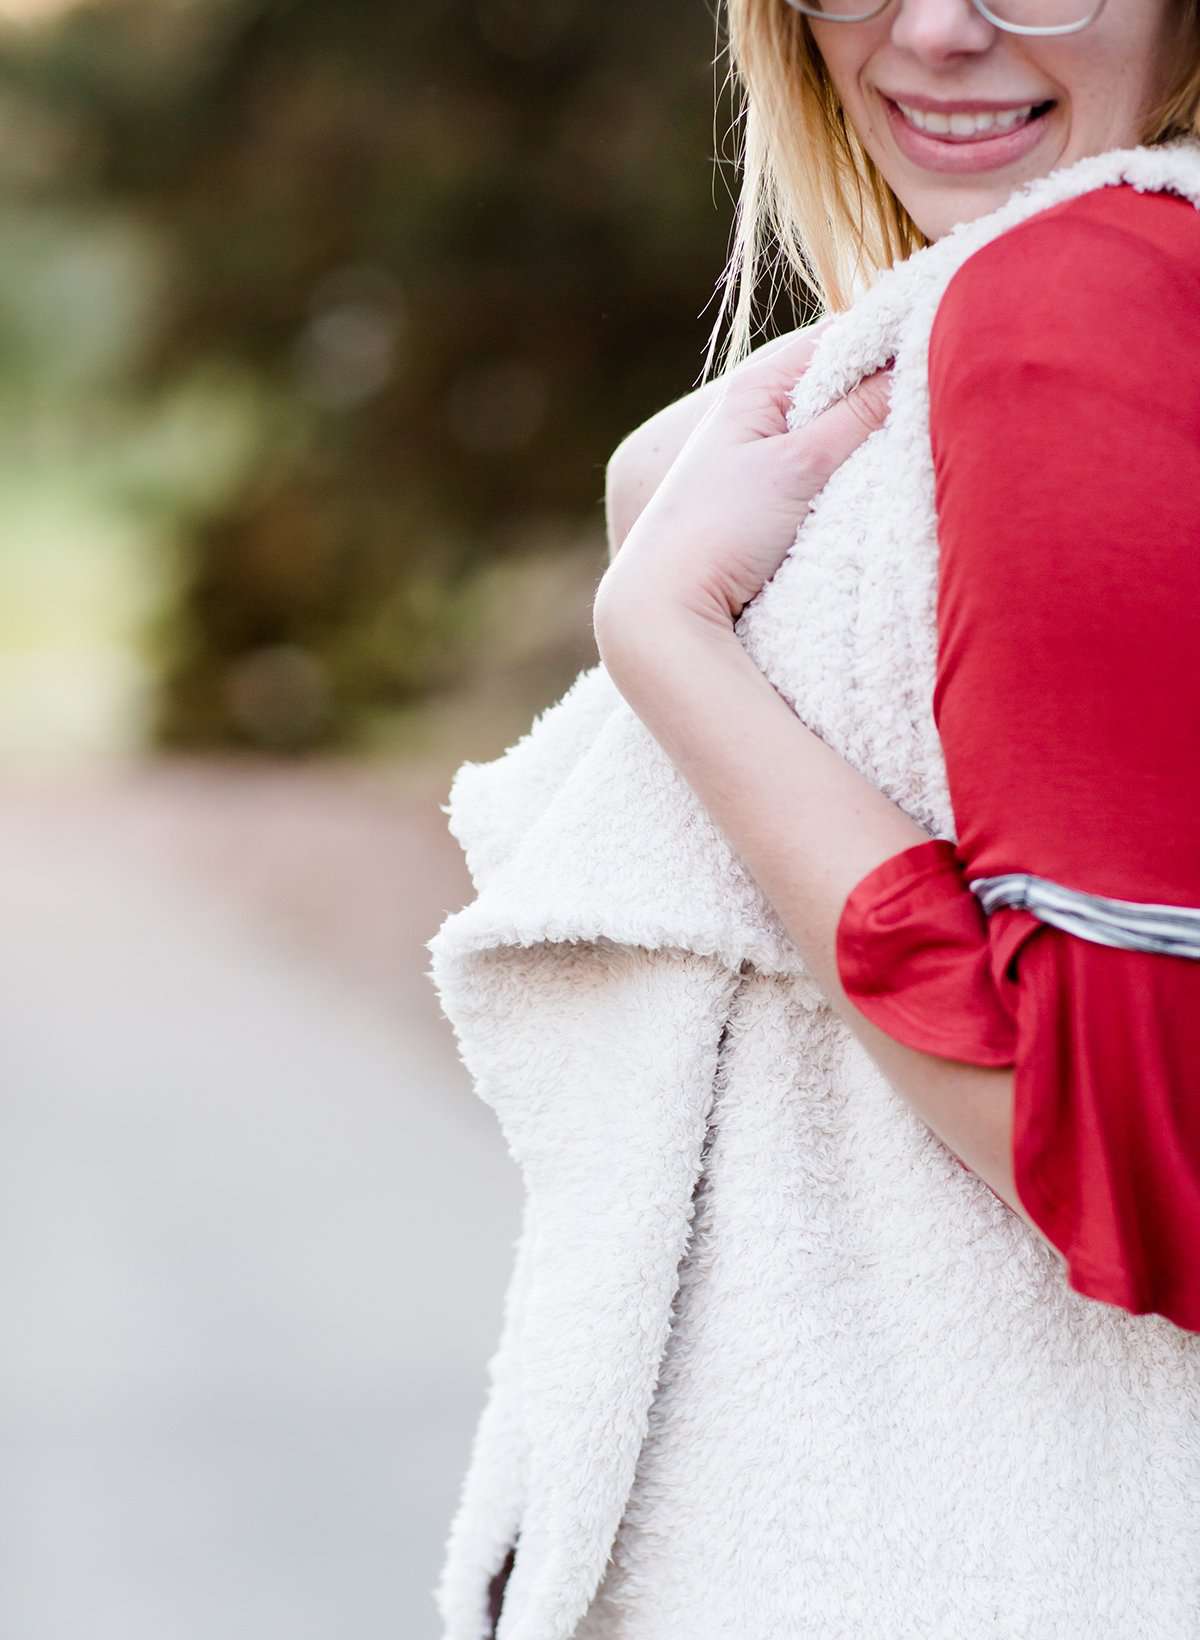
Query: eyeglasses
x,y
1040,17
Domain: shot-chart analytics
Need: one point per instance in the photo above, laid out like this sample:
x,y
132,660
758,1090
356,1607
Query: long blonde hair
x,y
814,212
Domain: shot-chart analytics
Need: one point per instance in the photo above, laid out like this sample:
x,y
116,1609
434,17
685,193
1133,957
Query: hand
x,y
644,457
727,512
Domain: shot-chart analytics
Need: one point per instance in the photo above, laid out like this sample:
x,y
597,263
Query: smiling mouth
x,y
964,126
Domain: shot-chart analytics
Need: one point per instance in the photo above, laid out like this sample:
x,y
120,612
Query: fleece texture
x,y
773,1366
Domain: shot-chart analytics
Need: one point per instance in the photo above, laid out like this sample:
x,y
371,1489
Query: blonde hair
x,y
814,211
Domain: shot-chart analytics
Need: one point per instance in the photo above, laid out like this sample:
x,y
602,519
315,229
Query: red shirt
x,y
1064,376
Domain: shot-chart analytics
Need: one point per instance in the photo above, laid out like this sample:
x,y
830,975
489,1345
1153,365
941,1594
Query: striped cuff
x,y
1132,925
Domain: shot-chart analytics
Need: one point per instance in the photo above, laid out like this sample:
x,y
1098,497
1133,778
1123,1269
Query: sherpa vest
x,y
771,1359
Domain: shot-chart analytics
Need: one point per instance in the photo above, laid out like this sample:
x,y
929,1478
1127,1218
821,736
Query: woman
x,y
868,1411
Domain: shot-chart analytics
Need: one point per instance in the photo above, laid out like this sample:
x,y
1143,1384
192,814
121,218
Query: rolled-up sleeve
x,y
1064,380
915,956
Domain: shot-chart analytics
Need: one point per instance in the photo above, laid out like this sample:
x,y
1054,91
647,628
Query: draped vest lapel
x,y
591,979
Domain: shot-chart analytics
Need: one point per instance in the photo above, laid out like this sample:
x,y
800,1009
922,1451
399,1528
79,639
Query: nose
x,y
937,30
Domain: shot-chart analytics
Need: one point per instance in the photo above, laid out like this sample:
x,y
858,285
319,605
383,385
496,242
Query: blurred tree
x,y
454,248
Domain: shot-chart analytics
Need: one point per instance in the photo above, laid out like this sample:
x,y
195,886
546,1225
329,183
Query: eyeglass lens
x,y
1031,14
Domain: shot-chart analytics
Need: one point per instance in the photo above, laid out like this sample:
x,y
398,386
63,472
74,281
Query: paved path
x,y
255,1226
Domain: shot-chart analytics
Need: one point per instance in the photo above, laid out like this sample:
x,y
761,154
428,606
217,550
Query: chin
x,y
936,217
936,210
938,220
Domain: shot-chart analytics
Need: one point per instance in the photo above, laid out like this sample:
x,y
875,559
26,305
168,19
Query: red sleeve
x,y
1065,417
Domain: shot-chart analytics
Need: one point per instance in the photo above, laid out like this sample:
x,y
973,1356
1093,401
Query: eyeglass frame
x,y
1037,29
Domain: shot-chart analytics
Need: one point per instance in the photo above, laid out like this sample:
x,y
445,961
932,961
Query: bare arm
x,y
805,823
808,827
640,462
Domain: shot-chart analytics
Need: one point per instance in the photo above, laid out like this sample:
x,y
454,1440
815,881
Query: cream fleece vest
x,y
772,1364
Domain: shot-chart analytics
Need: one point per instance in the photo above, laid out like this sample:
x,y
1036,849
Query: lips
x,y
963,152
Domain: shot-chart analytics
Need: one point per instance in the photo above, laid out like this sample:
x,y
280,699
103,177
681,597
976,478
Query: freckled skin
x,y
1102,80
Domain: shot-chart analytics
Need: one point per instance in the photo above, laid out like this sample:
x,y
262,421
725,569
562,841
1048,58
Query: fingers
x,y
807,334
781,363
871,400
759,391
864,409
785,366
835,434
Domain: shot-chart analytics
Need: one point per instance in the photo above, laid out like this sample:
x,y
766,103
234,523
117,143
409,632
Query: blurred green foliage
x,y
350,302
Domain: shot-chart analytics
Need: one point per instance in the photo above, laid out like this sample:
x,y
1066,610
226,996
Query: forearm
x,y
808,828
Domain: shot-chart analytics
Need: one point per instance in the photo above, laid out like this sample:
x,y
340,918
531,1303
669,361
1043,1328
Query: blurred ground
x,y
256,1226
318,325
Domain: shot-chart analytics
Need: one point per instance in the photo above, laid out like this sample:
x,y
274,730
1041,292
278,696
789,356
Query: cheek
x,y
845,52
1106,95
1120,68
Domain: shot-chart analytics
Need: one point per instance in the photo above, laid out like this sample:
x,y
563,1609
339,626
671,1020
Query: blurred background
x,y
319,320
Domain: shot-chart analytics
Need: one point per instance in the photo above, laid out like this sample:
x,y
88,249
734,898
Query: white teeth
x,y
966,125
